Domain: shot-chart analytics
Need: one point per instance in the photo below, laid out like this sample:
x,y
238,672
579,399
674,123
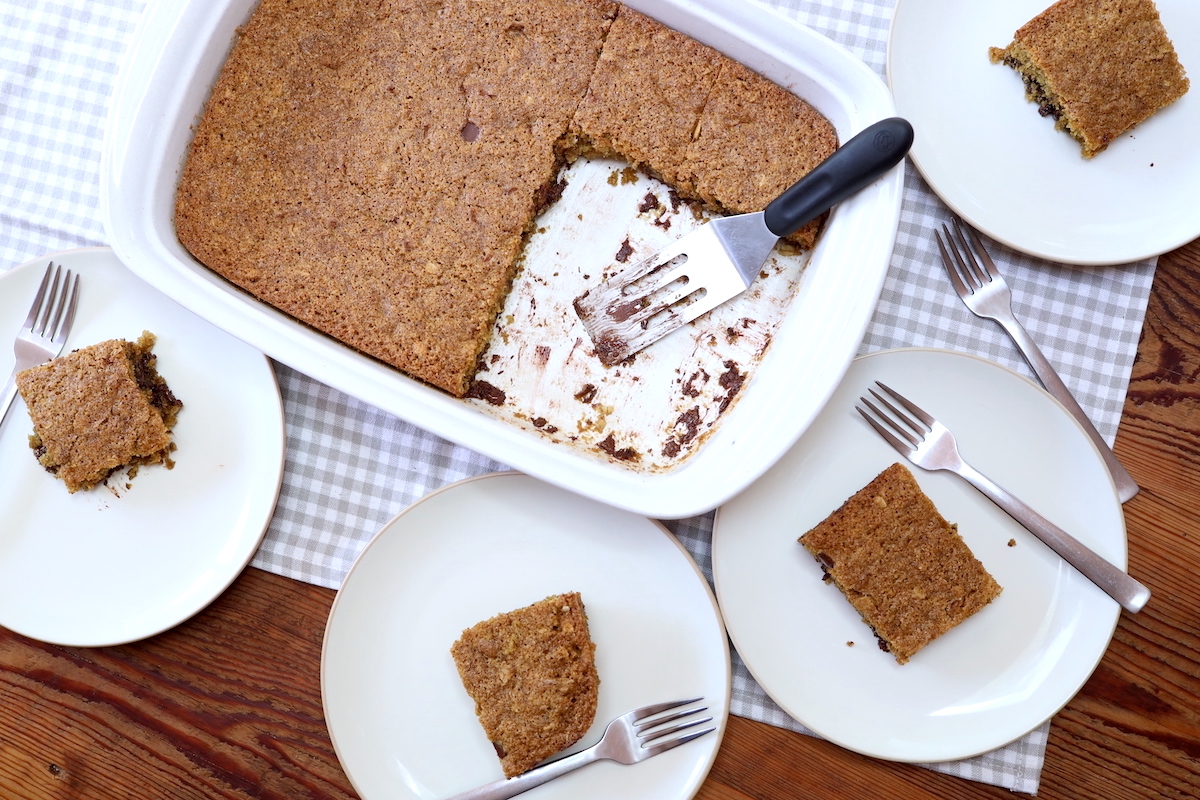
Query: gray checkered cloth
x,y
351,467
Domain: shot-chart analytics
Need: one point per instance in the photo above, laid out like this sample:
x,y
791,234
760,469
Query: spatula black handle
x,y
851,167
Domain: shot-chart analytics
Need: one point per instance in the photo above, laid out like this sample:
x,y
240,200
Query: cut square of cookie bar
x,y
99,409
903,567
532,675
1099,67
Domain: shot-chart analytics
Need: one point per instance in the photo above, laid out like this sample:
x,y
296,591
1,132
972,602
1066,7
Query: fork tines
x,y
653,724
965,271
912,431
53,318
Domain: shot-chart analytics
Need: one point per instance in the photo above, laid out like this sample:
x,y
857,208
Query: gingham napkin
x,y
351,467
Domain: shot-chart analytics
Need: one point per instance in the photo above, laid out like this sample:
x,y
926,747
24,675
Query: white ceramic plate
x,y
102,567
986,152
400,720
1000,673
171,64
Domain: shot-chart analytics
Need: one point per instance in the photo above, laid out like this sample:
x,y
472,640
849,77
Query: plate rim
x,y
276,404
1085,675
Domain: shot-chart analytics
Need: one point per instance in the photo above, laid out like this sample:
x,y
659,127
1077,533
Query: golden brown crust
x,y
1099,67
901,565
699,120
365,172
532,675
754,140
646,96
99,409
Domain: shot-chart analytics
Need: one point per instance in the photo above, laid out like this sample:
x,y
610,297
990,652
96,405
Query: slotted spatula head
x,y
643,303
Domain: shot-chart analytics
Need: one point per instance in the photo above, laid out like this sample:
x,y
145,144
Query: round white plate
x,y
1004,670
108,566
992,158
401,722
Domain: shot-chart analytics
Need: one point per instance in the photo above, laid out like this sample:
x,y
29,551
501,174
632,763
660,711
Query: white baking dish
x,y
175,57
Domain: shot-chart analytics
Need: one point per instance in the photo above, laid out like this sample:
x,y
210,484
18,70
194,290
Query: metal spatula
x,y
643,303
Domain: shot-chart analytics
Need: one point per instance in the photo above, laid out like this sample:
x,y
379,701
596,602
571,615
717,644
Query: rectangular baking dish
x,y
174,59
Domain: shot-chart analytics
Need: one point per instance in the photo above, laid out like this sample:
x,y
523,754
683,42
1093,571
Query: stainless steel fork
x,y
45,331
628,739
984,291
930,445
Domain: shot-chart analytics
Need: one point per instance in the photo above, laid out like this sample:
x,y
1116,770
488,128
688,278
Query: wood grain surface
x,y
228,704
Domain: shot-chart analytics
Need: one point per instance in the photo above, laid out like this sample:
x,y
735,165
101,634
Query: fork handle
x,y
1126,486
1115,583
511,787
7,396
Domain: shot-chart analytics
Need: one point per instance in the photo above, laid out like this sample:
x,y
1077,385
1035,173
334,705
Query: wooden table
x,y
228,704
